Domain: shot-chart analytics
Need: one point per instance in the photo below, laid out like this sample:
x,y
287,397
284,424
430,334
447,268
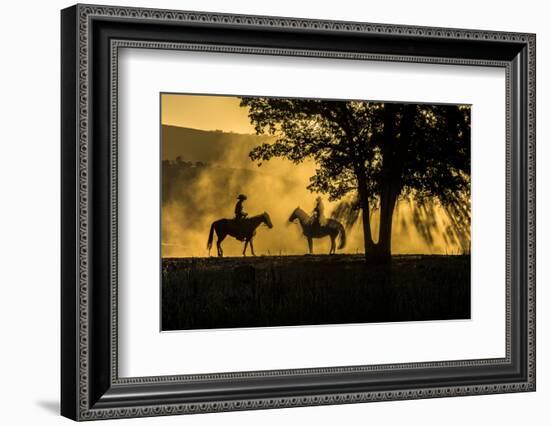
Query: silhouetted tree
x,y
378,151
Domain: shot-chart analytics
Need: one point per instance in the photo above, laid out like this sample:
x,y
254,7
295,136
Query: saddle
x,y
239,233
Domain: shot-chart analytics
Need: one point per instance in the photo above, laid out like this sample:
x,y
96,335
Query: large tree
x,y
377,151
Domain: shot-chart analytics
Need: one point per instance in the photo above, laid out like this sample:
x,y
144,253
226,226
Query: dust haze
x,y
204,169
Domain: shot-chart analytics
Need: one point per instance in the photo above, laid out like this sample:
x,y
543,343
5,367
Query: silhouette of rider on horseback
x,y
318,213
239,209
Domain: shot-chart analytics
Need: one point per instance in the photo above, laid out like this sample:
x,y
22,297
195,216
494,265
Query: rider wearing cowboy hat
x,y
239,210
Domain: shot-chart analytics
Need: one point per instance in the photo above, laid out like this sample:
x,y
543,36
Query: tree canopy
x,y
377,151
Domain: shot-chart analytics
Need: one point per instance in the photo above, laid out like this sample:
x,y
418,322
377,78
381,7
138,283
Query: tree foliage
x,y
379,152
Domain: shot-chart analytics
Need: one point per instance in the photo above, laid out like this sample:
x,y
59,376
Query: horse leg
x,y
252,248
219,244
245,246
332,245
310,244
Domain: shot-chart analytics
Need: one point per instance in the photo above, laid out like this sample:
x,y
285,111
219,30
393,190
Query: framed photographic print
x,y
263,212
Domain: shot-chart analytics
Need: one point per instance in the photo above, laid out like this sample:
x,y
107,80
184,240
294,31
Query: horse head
x,y
294,215
267,220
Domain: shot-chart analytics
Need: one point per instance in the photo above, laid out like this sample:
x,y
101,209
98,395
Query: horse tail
x,y
210,237
342,233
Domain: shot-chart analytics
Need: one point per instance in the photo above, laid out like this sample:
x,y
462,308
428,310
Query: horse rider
x,y
239,210
318,214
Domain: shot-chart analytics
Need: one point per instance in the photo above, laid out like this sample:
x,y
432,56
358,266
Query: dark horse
x,y
332,228
241,229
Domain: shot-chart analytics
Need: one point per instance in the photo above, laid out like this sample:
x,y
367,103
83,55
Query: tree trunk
x,y
390,173
369,243
388,200
380,251
365,211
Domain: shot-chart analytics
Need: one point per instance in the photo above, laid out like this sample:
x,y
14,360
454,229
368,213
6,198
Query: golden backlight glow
x,y
205,113
212,137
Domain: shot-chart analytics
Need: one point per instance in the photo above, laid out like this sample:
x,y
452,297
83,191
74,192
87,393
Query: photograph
x,y
279,211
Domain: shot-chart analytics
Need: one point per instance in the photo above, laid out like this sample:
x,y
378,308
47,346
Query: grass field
x,y
203,293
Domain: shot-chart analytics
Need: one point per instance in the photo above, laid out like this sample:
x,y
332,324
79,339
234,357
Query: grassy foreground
x,y
202,293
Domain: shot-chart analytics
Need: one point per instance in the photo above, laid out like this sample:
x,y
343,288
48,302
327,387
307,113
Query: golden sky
x,y
205,113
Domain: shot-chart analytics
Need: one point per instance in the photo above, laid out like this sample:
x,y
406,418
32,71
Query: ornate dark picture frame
x,y
90,385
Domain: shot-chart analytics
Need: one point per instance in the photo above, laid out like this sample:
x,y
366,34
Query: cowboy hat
x,y
241,197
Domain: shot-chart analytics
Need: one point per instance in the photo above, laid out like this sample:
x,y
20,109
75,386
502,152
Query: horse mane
x,y
298,211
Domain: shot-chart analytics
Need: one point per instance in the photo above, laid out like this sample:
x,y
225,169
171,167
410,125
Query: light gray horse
x,y
332,228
